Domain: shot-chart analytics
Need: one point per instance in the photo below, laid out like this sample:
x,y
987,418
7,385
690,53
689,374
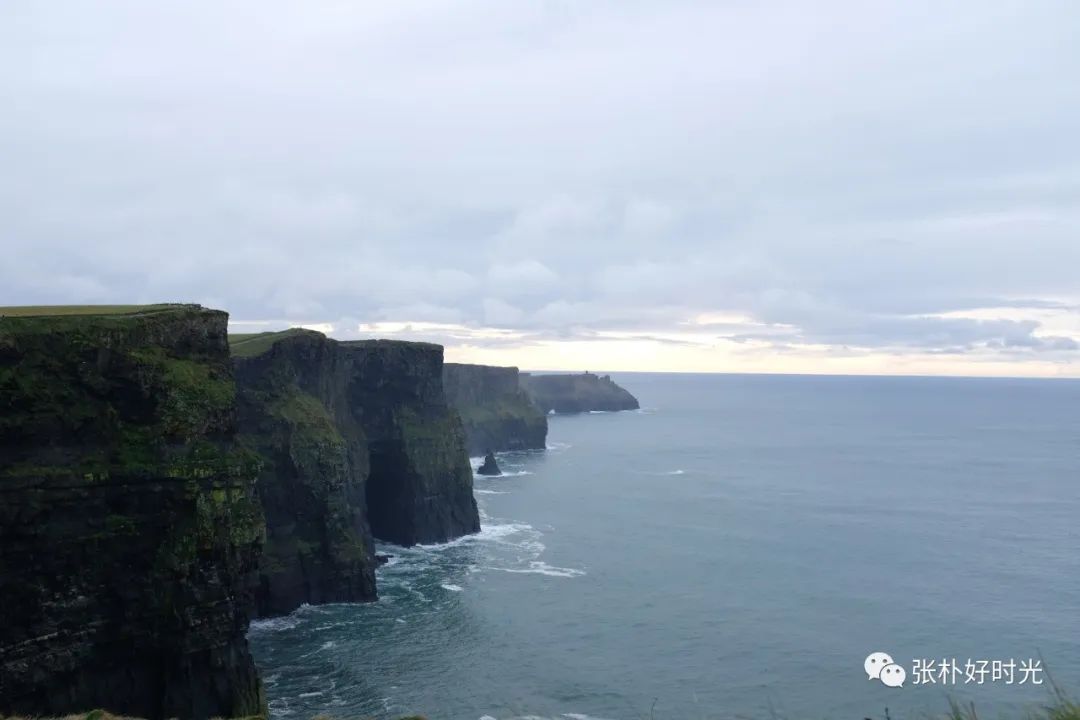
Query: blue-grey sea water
x,y
734,549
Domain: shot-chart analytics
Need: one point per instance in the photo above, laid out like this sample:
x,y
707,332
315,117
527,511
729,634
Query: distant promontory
x,y
577,393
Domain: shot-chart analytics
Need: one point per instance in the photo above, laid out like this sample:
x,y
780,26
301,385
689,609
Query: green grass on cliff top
x,y
66,310
252,344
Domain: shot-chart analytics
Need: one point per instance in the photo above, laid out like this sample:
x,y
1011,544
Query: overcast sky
x,y
828,186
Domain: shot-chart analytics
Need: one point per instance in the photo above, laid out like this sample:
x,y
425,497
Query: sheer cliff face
x,y
356,439
577,393
496,412
293,412
129,529
420,488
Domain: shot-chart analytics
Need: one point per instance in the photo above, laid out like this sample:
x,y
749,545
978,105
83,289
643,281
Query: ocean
x,y
735,549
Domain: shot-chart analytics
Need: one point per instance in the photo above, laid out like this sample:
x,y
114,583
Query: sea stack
x,y
490,467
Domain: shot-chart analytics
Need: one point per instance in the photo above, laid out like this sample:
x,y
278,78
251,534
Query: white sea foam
x,y
559,446
675,472
279,707
487,532
324,646
314,693
288,622
451,587
499,531
489,492
539,567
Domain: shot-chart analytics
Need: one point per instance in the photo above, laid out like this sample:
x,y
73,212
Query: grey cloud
x,y
838,173
499,313
524,278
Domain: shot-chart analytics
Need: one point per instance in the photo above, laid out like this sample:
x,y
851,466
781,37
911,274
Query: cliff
x,y
293,412
129,529
357,439
495,410
420,489
577,393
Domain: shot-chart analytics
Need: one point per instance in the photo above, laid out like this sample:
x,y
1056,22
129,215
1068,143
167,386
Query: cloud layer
x,y
721,180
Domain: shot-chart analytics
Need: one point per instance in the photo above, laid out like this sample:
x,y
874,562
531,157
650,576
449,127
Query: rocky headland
x,y
495,410
293,413
577,393
357,441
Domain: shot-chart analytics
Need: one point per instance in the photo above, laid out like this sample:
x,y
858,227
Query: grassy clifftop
x,y
67,310
252,344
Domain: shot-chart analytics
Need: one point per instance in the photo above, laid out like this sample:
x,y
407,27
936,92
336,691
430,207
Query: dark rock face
x,y
293,412
496,412
577,393
129,529
357,440
490,466
420,487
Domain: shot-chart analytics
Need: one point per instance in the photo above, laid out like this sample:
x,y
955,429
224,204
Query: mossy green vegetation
x,y
118,461
306,412
129,387
311,485
195,393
